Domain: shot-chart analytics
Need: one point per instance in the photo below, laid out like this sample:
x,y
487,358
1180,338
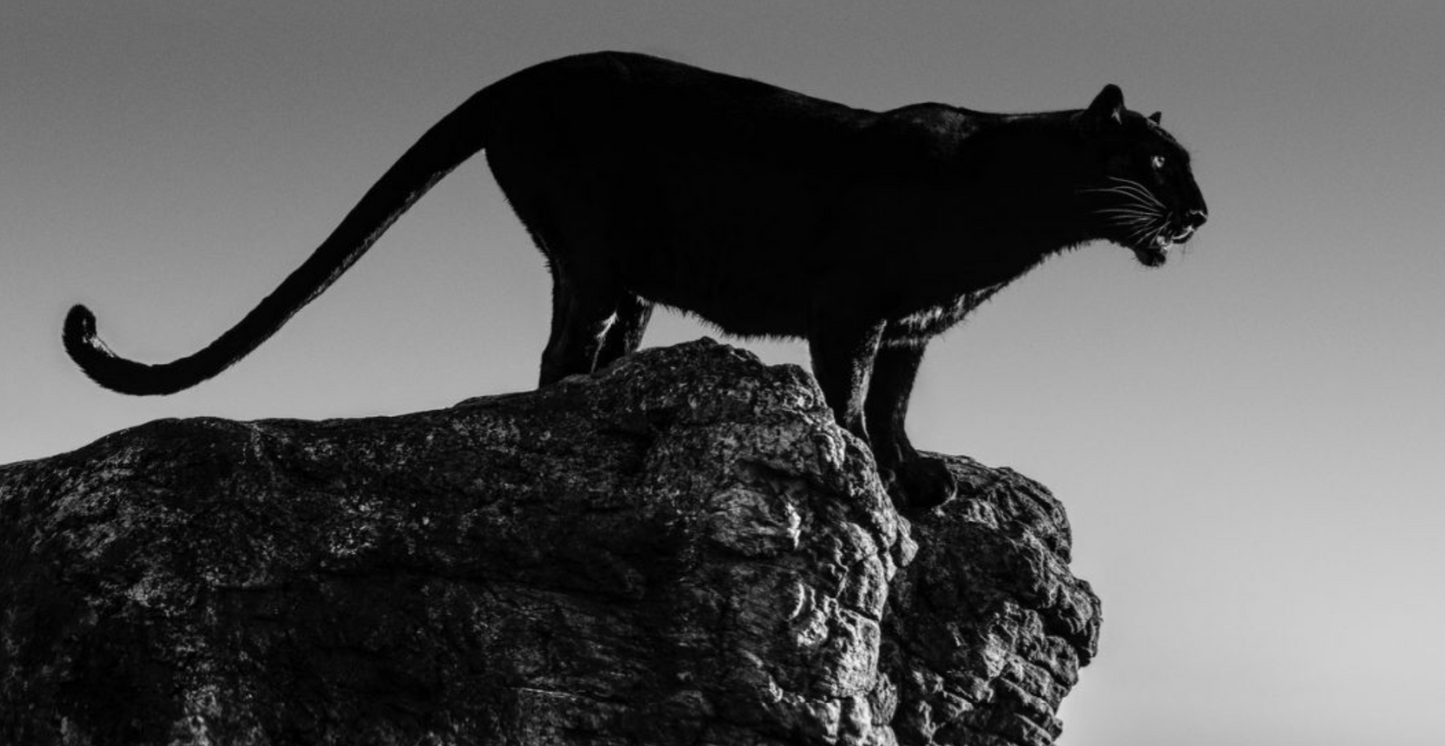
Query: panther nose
x,y
1195,218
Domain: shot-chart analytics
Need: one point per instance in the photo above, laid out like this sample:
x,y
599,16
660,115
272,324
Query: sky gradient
x,y
1250,441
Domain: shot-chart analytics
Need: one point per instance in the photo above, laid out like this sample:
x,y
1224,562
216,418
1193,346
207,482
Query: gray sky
x,y
1249,440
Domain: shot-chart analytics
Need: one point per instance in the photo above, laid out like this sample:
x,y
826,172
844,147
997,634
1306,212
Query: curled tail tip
x,y
116,373
83,346
79,326
79,337
96,360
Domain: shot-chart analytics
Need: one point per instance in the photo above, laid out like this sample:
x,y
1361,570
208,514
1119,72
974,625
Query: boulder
x,y
683,548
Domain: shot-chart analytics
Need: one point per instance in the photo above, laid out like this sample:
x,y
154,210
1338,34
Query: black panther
x,y
763,211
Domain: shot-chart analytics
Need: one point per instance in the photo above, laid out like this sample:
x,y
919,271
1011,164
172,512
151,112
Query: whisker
x,y
1120,213
1128,211
1142,232
1133,204
1142,220
1137,213
1103,189
1134,187
1143,194
1133,194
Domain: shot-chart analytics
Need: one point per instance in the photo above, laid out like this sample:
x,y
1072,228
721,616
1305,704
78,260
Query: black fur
x,y
763,211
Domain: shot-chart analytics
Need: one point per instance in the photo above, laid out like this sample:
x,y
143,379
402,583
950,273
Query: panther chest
x,y
933,320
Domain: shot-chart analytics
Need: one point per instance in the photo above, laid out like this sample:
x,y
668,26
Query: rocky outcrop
x,y
681,549
986,629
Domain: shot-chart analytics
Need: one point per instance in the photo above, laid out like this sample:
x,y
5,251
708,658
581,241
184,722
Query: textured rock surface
x,y
681,549
986,630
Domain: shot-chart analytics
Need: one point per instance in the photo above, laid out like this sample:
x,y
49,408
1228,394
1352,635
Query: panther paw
x,y
919,485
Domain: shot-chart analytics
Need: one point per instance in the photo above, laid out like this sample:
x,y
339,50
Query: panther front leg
x,y
842,355
915,482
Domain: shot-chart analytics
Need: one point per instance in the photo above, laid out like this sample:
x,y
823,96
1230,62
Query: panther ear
x,y
1108,107
1156,116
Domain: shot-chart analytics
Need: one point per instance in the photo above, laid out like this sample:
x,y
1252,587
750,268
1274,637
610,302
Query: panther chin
x,y
1151,255
1155,251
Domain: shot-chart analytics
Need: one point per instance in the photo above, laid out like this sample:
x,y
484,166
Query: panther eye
x,y
1157,162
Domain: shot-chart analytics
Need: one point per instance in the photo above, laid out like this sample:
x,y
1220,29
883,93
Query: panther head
x,y
1139,191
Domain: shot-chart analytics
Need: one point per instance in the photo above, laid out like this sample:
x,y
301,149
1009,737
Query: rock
x,y
680,549
986,629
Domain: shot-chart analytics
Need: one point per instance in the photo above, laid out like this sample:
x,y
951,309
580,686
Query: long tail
x,y
457,137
